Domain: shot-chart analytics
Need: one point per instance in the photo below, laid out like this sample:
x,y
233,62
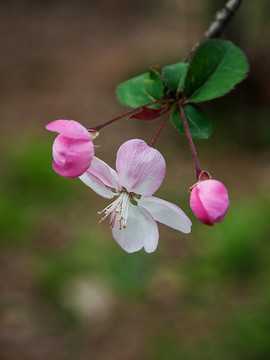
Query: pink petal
x,y
97,185
209,201
198,208
215,199
105,173
166,213
141,168
141,231
72,157
69,128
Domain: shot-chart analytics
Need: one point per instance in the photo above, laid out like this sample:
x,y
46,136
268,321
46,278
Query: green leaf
x,y
153,86
132,93
215,68
174,76
198,123
141,89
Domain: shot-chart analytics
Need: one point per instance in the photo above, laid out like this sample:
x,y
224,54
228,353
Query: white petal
x,y
141,231
105,173
141,168
166,212
97,185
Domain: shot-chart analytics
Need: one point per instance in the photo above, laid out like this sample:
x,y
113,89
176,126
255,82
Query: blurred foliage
x,y
28,189
220,289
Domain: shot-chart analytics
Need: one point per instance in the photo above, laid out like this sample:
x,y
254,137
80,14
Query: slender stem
x,y
191,144
98,127
160,128
216,28
221,19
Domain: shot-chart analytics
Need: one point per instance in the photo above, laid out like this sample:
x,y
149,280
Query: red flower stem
x,y
191,144
160,128
98,127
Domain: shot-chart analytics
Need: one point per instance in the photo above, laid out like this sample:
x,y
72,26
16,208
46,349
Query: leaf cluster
x,y
215,68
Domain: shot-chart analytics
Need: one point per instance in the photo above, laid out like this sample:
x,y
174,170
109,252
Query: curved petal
x,y
215,199
97,185
141,231
141,168
166,213
198,208
69,128
105,173
72,157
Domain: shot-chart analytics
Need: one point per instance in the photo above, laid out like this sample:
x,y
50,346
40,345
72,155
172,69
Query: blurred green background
x,y
67,290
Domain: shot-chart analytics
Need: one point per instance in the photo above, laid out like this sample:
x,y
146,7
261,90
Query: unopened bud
x,y
73,149
209,201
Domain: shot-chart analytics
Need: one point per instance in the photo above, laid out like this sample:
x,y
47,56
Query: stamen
x,y
104,217
120,224
120,207
110,206
113,221
125,206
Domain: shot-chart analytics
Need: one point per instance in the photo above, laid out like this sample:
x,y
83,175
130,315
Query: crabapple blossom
x,y
73,149
140,170
209,201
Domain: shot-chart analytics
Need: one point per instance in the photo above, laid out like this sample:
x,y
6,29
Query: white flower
x,y
140,170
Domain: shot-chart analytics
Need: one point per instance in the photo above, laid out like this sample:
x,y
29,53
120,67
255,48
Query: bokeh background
x,y
67,290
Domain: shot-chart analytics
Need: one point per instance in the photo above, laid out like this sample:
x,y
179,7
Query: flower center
x,y
120,208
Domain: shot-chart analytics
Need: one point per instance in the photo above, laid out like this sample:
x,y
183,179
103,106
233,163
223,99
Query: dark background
x,y
67,290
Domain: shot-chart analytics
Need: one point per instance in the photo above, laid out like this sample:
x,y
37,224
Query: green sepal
x,y
198,123
215,68
134,202
174,76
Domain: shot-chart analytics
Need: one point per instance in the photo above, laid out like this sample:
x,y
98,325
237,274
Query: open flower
x,y
73,149
140,170
209,201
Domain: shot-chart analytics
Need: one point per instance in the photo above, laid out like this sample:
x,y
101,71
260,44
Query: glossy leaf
x,y
153,86
215,68
174,76
199,125
131,92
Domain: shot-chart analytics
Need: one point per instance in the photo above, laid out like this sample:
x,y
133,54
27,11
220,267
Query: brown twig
x,y
218,25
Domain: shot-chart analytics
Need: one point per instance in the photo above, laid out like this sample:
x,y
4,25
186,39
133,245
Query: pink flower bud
x,y
209,201
73,149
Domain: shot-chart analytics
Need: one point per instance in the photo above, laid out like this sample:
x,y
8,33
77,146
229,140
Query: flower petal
x,y
72,157
97,185
141,168
198,208
166,213
69,128
105,173
214,198
141,231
